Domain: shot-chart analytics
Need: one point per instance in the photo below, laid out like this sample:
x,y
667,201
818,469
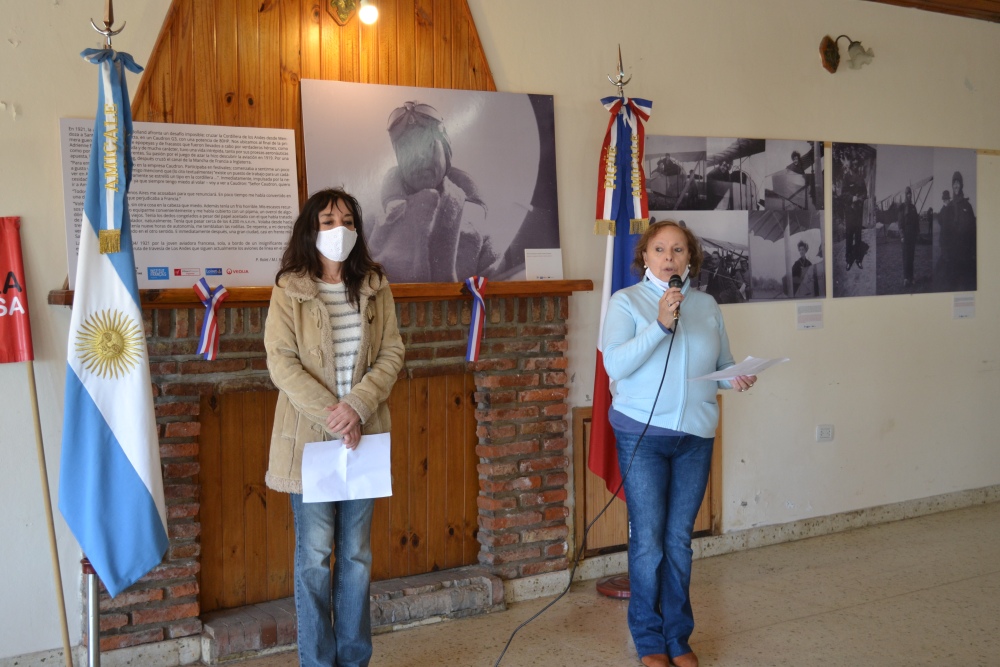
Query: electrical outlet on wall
x,y
824,433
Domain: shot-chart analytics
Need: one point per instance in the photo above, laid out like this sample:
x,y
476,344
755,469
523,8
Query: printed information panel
x,y
205,201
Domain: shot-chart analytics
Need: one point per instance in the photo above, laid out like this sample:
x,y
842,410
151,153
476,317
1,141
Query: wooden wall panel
x,y
247,552
248,58
239,62
207,104
234,572
428,524
406,21
431,521
442,44
182,81
399,504
226,90
423,40
210,503
269,74
386,40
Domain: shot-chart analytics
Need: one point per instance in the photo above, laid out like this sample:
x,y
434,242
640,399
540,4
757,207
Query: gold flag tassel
x,y
606,227
638,225
110,241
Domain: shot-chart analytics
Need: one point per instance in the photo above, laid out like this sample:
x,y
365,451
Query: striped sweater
x,y
346,323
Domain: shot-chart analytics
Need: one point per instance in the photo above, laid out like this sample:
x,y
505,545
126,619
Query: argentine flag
x,y
110,483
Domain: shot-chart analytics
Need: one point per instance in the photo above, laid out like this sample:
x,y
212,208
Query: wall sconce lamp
x,y
368,12
857,55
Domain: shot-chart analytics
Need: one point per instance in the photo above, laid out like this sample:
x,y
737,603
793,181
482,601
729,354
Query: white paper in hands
x,y
331,471
749,366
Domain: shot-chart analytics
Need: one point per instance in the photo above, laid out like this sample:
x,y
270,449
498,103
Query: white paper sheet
x,y
331,471
749,366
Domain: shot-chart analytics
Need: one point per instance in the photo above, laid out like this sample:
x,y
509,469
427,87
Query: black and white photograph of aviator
x,y
451,183
915,209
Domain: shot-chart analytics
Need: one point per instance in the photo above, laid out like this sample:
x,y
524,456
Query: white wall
x,y
42,79
910,391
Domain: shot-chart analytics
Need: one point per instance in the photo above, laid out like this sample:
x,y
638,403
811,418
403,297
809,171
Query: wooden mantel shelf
x,y
402,292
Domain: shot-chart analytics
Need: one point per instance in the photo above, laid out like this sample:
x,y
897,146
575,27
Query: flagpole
x,y
93,615
54,552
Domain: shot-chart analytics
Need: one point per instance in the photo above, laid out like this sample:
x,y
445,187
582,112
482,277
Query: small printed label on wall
x,y
963,306
809,315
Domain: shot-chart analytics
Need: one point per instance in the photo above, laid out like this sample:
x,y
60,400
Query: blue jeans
x,y
344,529
663,491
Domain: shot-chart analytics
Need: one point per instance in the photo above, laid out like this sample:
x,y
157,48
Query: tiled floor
x,y
925,591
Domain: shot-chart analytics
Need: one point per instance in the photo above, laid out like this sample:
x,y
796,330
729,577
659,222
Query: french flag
x,y
622,212
110,482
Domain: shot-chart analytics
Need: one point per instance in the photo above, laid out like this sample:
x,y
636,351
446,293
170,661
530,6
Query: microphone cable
x,y
583,545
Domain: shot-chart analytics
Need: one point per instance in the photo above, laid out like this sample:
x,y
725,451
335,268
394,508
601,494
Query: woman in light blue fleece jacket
x,y
676,421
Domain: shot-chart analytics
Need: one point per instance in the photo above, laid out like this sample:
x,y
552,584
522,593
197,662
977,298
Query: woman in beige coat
x,y
334,352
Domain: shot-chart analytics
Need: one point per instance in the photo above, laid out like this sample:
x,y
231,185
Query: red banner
x,y
15,329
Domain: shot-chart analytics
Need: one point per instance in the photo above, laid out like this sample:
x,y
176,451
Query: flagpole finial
x,y
109,20
620,80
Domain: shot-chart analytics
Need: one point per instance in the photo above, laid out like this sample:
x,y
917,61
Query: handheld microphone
x,y
676,281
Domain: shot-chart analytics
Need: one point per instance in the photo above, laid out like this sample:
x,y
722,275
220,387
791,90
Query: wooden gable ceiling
x,y
239,62
985,10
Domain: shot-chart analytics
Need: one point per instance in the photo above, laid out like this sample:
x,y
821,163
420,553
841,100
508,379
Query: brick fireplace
x,y
521,416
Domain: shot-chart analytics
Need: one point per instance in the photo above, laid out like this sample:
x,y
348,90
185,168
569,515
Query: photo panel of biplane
x,y
452,183
904,219
756,205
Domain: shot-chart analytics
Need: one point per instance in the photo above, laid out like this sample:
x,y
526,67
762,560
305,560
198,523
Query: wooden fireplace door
x,y
429,523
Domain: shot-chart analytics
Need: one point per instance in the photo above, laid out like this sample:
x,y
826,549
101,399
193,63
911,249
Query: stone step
x,y
268,627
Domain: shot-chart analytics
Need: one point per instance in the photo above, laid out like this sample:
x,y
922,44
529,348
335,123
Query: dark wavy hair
x,y
302,255
694,245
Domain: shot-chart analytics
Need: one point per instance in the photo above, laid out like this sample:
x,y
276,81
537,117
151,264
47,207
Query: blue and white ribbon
x,y
110,155
208,343
476,286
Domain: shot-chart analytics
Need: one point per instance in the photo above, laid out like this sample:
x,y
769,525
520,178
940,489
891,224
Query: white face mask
x,y
336,244
662,285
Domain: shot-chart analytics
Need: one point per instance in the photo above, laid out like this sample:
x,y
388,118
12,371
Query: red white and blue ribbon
x,y
621,182
476,286
208,343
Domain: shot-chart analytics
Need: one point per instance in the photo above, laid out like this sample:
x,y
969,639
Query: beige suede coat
x,y
299,343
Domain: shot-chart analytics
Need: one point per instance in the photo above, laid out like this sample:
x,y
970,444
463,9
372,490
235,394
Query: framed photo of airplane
x,y
756,205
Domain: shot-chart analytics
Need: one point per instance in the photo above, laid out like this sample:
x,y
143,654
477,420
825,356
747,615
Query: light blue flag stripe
x,y
100,475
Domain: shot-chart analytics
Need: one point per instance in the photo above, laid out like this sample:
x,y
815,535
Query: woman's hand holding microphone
x,y
670,307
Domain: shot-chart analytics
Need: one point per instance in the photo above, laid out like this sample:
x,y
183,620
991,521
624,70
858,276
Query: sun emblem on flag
x,y
108,344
